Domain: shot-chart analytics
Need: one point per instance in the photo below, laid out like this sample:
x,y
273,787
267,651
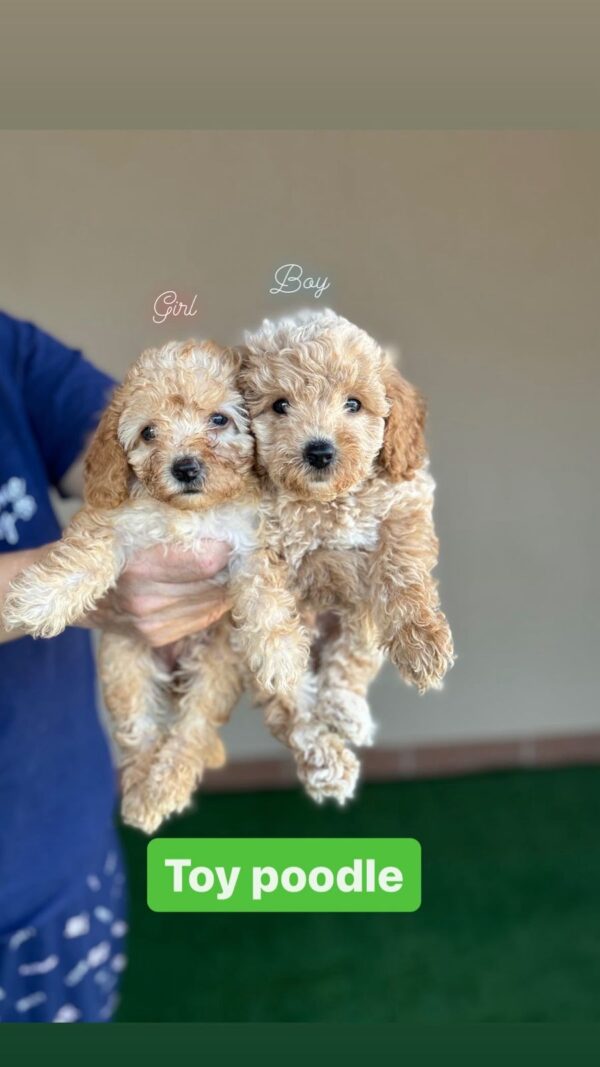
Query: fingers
x,y
140,601
174,611
170,564
132,586
161,621
167,593
158,633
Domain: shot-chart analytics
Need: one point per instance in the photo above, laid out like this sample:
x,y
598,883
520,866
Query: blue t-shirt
x,y
57,786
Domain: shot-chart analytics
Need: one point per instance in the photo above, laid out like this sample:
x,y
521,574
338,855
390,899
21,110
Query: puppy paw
x,y
348,714
31,606
214,752
150,798
138,811
136,804
424,652
327,768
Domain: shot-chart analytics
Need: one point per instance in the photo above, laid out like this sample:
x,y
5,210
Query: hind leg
x,y
326,767
349,661
134,687
329,712
208,685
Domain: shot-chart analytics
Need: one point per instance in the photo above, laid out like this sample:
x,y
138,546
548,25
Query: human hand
x,y
165,594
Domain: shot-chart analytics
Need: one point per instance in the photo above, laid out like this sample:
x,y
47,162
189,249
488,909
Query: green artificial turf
x,y
509,928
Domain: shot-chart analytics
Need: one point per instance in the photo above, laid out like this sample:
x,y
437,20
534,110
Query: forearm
x,y
401,577
11,563
163,595
405,600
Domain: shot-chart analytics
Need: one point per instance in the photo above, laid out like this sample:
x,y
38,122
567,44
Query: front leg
x,y
270,634
404,599
423,650
68,582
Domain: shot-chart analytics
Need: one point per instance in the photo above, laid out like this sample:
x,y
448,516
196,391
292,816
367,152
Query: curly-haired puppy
x,y
171,463
341,450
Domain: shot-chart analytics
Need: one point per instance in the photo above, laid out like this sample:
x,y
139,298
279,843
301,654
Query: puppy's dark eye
x,y
148,433
217,419
352,404
281,406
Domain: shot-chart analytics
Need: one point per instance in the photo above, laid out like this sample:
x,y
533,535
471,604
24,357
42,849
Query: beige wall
x,y
477,253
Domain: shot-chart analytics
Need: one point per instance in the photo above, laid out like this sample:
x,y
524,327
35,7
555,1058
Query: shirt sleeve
x,y
64,396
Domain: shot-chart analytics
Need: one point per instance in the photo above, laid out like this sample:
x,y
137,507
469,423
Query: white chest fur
x,y
144,523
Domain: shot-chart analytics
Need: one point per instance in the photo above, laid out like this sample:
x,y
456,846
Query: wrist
x,y
11,564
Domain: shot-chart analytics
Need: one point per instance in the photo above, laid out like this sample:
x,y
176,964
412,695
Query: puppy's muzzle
x,y
189,471
319,453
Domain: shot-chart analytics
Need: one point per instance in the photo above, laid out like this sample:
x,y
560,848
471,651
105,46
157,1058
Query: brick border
x,y
421,761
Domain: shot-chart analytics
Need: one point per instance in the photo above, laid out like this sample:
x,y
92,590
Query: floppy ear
x,y
404,447
106,467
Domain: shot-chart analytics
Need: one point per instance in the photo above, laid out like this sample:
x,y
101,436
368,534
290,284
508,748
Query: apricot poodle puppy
x,y
342,457
171,463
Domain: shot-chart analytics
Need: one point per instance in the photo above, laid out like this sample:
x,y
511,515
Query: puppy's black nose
x,y
319,453
186,469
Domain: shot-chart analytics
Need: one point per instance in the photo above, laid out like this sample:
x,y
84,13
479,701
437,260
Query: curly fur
x,y
356,538
165,724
